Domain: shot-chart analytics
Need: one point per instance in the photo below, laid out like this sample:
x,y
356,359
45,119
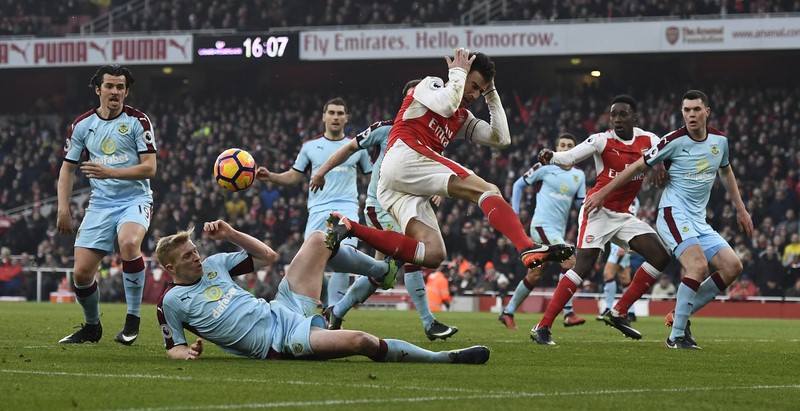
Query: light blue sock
x,y
402,351
683,309
705,294
609,292
133,278
337,287
134,287
350,260
361,289
520,294
415,285
88,297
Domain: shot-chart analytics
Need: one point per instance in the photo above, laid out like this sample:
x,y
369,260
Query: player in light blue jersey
x,y
205,300
618,265
695,154
557,189
119,142
341,196
375,139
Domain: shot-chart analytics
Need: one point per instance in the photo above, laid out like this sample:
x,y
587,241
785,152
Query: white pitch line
x,y
473,394
492,395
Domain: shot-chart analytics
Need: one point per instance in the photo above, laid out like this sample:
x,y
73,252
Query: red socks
x,y
566,288
642,281
390,243
502,217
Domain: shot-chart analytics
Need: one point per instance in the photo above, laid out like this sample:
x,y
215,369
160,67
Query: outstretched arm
x,y
261,253
339,157
287,178
742,216
596,200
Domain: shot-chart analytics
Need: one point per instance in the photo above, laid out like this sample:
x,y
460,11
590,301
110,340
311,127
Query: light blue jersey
x,y
116,143
341,190
374,140
692,167
217,309
557,190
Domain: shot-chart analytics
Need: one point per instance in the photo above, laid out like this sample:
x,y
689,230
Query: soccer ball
x,y
235,169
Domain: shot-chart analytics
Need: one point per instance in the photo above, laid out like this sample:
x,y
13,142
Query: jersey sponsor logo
x,y
123,129
108,146
701,176
714,150
444,134
223,304
560,196
109,160
166,331
148,138
213,293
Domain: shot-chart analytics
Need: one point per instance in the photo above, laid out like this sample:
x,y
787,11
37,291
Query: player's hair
x,y
624,98
166,245
336,101
567,136
114,70
411,84
696,95
483,64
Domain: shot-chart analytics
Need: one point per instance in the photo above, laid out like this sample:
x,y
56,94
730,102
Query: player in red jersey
x,y
414,169
613,150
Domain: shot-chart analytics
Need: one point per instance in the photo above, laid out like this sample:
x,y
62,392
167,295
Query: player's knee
x,y
364,343
433,258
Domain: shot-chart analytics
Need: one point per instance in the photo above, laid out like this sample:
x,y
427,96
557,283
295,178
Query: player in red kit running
x,y
414,169
613,150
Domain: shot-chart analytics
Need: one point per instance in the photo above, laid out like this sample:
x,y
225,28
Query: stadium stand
x,y
42,18
763,121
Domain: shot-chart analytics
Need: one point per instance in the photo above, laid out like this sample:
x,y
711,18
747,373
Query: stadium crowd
x,y
762,124
40,18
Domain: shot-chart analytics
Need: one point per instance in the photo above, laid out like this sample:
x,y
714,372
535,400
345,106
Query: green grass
x,y
744,364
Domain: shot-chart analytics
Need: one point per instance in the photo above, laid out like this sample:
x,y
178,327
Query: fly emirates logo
x,y
613,174
444,134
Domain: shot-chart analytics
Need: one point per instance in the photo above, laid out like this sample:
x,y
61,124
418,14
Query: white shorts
x,y
600,227
409,178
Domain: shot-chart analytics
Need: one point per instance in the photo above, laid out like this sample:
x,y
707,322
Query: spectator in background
x,y
10,274
794,291
664,289
438,289
768,266
772,285
792,249
742,289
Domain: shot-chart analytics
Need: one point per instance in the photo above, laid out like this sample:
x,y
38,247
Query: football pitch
x,y
744,364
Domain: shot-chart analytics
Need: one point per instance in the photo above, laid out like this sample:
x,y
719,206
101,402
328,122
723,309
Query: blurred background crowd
x,y
762,123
